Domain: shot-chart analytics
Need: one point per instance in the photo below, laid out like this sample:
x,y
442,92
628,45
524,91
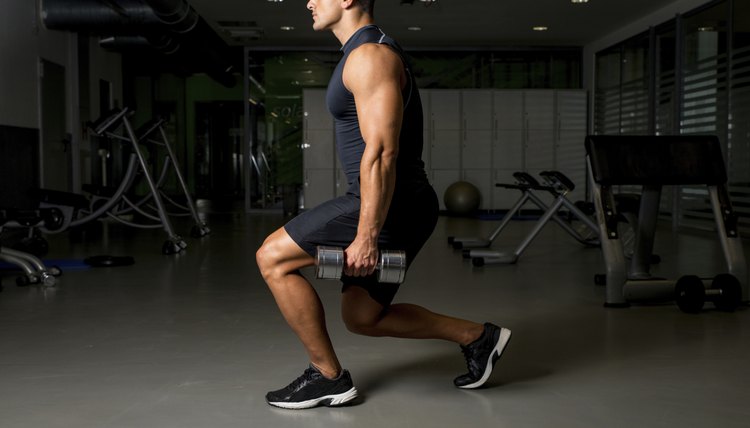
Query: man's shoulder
x,y
374,54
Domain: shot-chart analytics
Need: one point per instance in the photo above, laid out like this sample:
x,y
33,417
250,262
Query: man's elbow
x,y
389,156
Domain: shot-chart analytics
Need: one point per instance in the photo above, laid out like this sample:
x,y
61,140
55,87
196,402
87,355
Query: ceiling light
x,y
414,28
539,28
579,1
276,1
287,27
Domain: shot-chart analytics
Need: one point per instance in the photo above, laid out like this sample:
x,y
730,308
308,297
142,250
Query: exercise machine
x,y
34,270
652,162
152,133
115,203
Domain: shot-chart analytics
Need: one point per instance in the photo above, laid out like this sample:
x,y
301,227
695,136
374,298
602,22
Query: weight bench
x,y
527,185
559,186
653,162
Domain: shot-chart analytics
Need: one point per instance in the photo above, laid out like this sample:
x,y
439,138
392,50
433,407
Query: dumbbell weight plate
x,y
690,294
329,263
392,268
730,292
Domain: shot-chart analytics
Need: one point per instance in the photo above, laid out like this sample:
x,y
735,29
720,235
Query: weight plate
x,y
730,289
690,294
329,262
392,268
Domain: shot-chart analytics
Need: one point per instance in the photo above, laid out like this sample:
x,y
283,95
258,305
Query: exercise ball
x,y
462,198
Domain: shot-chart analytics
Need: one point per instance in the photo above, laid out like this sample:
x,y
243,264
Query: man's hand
x,y
361,257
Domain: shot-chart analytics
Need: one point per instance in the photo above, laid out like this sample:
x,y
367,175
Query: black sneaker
x,y
313,389
481,355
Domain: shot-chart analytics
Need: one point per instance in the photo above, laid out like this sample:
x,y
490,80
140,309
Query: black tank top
x,y
349,142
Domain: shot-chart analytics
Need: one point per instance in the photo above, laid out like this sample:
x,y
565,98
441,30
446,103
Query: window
x,y
690,75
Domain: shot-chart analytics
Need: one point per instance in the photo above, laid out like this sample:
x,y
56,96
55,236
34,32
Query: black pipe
x,y
181,18
99,17
178,15
171,27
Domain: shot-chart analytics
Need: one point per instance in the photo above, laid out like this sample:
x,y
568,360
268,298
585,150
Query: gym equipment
x,y
652,162
34,270
329,264
114,202
144,134
558,185
462,198
528,186
691,292
524,183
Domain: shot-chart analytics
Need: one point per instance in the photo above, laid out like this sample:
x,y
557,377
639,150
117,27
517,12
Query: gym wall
x,y
24,42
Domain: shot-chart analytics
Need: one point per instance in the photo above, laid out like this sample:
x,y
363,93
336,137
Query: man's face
x,y
324,13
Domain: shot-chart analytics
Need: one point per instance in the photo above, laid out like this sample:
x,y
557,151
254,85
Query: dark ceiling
x,y
445,24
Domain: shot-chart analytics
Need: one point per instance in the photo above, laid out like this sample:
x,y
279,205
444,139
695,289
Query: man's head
x,y
328,13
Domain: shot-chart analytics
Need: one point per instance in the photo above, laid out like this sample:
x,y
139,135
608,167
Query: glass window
x,y
738,144
666,88
704,71
608,92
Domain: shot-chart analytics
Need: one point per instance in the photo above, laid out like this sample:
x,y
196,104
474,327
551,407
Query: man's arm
x,y
375,75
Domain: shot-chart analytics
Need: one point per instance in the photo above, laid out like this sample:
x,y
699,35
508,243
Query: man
x,y
389,204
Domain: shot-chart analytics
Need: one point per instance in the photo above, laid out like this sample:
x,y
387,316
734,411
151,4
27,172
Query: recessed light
x,y
539,28
579,1
414,28
276,1
287,27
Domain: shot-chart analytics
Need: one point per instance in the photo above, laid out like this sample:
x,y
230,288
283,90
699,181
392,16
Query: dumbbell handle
x,y
329,264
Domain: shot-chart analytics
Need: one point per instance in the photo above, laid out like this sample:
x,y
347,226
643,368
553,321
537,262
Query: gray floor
x,y
195,341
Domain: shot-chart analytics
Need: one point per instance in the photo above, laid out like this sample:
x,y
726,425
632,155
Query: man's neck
x,y
349,26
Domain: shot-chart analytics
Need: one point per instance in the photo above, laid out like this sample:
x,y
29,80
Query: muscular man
x,y
389,204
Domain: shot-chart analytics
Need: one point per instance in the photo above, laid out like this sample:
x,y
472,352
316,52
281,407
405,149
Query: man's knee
x,y
361,316
360,324
266,257
270,255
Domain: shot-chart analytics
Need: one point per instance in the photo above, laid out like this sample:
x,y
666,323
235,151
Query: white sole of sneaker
x,y
328,400
502,342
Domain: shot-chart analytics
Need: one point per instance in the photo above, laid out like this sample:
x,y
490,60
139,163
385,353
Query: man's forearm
x,y
377,184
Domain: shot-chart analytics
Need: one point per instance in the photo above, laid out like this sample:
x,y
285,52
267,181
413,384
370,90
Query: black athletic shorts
x,y
411,219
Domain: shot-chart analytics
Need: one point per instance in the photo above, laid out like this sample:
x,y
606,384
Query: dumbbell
x,y
725,293
329,264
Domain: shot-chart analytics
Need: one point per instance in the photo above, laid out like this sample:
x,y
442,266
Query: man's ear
x,y
347,4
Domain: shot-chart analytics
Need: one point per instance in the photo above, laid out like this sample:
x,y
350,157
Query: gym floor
x,y
195,340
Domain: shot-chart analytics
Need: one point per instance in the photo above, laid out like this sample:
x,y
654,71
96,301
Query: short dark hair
x,y
368,6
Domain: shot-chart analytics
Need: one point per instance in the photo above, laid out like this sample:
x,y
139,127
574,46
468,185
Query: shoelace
x,y
307,376
469,356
